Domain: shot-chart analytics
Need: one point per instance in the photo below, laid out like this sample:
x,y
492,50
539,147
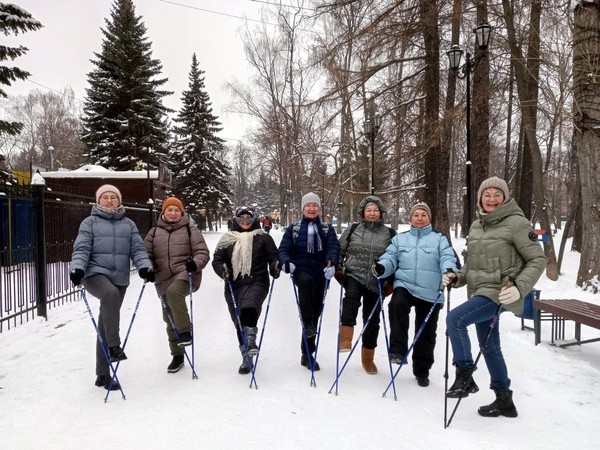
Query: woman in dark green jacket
x,y
504,261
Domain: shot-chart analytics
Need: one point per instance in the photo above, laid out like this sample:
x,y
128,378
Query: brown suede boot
x,y
346,335
367,360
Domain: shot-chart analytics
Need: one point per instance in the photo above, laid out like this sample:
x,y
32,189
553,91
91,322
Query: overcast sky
x,y
59,54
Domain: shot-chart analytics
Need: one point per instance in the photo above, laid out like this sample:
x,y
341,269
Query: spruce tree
x,y
13,19
198,157
124,117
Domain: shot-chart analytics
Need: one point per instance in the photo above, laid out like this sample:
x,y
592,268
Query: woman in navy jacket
x,y
310,250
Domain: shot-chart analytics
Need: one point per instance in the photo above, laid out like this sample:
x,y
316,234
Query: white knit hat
x,y
108,188
496,183
311,197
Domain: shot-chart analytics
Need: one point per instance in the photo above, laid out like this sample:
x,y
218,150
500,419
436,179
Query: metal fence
x,y
37,230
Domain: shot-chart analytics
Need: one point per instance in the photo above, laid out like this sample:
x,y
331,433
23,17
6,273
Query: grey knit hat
x,y
420,205
108,188
493,182
311,197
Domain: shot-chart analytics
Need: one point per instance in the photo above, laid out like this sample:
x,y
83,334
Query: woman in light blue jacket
x,y
106,244
417,258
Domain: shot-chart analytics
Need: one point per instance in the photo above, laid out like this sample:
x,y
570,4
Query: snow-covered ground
x,y
48,398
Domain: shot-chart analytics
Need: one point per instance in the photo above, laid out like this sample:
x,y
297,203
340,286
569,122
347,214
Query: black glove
x,y
274,270
191,266
378,269
147,274
76,275
225,273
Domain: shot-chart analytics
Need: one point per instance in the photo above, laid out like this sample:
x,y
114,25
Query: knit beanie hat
x,y
311,197
243,210
493,182
107,188
420,205
172,201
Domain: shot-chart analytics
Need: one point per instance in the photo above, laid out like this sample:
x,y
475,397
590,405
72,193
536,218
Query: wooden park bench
x,y
558,311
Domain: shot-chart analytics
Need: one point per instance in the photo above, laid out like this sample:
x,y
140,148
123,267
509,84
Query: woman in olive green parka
x,y
504,261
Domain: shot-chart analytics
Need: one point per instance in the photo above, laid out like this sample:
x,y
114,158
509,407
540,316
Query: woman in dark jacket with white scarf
x,y
244,257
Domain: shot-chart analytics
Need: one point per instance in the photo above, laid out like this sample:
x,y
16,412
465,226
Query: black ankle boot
x,y
463,385
104,381
244,368
176,364
116,354
502,406
250,333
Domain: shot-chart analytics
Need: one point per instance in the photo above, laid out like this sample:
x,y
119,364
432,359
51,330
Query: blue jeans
x,y
478,310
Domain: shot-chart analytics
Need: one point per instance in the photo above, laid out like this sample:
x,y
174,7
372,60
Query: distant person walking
x,y
177,249
106,244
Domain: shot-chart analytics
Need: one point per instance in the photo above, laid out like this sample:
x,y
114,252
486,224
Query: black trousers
x,y
311,290
351,304
399,309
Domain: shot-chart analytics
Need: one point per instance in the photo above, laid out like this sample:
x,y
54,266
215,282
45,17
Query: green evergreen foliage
x,y
197,161
13,19
124,116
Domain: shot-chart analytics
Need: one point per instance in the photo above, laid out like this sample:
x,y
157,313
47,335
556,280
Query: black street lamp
x,y
371,128
482,33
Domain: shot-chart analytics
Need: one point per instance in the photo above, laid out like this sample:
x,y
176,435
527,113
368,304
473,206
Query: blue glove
x,y
289,267
329,272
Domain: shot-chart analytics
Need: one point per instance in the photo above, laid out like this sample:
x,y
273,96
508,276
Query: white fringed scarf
x,y
241,258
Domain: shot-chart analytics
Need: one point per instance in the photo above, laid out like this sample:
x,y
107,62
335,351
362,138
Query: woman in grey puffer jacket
x,y
177,249
360,246
106,244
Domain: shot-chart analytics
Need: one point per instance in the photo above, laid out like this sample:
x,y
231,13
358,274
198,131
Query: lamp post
x,y
482,34
371,128
150,201
51,154
323,171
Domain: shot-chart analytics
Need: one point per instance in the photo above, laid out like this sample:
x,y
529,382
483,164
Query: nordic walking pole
x,y
483,345
387,341
446,363
417,335
310,360
192,323
175,330
112,379
339,374
262,332
101,340
337,355
239,323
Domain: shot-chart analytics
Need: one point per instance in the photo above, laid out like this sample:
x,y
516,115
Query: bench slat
x,y
571,309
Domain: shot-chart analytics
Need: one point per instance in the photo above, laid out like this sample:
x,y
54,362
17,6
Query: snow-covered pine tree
x,y
198,163
124,117
13,19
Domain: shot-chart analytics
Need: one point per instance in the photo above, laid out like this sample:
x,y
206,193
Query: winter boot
x,y
367,355
463,385
502,406
308,361
104,381
396,358
116,354
250,333
185,339
346,335
176,364
244,368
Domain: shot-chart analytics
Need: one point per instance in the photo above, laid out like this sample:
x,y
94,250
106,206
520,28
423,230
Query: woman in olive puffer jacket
x,y
504,261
